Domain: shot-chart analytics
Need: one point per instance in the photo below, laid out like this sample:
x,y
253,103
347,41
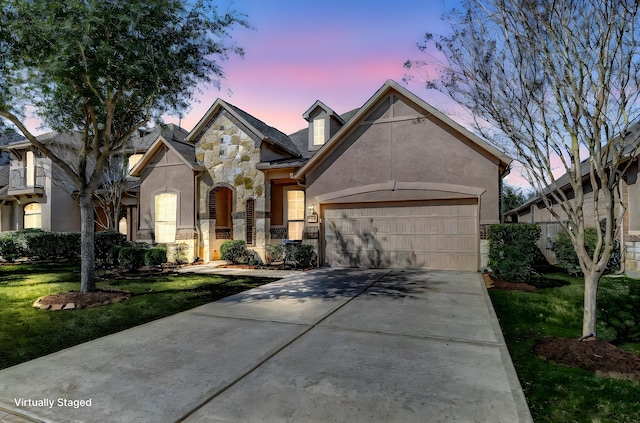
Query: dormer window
x,y
318,132
323,124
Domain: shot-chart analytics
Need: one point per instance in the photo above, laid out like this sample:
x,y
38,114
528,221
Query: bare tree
x,y
553,84
108,196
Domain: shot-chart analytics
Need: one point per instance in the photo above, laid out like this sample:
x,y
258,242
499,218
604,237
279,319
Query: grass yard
x,y
27,333
562,394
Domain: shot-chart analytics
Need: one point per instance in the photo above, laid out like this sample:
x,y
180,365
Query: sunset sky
x,y
339,52
336,51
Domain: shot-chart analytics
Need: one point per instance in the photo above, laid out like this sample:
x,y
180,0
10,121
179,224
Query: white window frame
x,y
30,169
319,132
294,223
33,217
165,224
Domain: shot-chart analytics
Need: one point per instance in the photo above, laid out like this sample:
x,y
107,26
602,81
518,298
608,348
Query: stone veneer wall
x,y
632,256
230,157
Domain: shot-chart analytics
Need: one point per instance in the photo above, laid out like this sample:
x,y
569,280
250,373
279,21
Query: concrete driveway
x,y
339,345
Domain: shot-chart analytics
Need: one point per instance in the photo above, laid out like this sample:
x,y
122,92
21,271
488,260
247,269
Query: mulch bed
x,y
73,300
598,356
494,282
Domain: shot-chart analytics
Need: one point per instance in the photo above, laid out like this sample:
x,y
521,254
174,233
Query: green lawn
x,y
27,333
556,393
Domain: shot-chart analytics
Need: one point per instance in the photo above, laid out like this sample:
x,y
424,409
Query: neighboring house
x,y
394,183
31,199
534,211
34,193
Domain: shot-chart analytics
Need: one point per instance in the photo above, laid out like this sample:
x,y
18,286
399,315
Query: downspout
x,y
196,201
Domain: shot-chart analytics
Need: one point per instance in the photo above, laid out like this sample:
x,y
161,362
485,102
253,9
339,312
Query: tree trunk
x,y
591,280
87,253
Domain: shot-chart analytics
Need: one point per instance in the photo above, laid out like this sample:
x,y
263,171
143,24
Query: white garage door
x,y
429,235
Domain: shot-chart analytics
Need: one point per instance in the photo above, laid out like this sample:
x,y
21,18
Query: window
x,y
166,217
122,225
133,160
30,170
318,132
250,221
295,214
33,216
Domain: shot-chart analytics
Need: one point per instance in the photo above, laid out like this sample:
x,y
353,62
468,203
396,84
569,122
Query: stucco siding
x,y
167,173
394,144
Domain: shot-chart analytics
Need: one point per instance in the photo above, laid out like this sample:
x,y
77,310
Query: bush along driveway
x,y
27,332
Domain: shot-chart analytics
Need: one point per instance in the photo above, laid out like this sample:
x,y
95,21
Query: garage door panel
x,y
442,236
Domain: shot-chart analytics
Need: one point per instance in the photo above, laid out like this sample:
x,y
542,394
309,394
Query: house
x,y
394,183
534,210
34,193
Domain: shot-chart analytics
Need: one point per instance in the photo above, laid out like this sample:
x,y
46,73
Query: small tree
x,y
101,69
554,85
513,197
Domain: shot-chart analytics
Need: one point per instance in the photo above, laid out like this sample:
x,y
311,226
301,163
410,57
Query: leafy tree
x,y
101,69
554,84
513,197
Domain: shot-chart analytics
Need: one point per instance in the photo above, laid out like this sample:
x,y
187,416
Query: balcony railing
x,y
27,179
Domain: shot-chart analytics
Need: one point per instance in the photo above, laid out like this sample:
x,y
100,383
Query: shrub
x,y
512,250
568,259
43,245
155,256
69,244
618,313
180,253
105,241
303,256
131,257
36,243
10,249
274,253
113,255
234,251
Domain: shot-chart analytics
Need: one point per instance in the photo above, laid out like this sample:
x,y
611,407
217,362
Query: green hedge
x,y
38,244
302,256
131,257
104,242
512,250
568,259
618,311
155,256
10,249
234,251
274,253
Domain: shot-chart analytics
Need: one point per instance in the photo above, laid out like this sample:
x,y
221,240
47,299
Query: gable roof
x,y
185,151
327,109
4,175
260,129
301,137
145,137
387,88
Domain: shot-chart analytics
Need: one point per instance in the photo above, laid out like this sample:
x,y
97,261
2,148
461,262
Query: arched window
x,y
33,216
166,217
122,225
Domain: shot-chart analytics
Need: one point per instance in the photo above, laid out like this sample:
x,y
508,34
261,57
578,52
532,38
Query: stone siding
x,y
230,157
